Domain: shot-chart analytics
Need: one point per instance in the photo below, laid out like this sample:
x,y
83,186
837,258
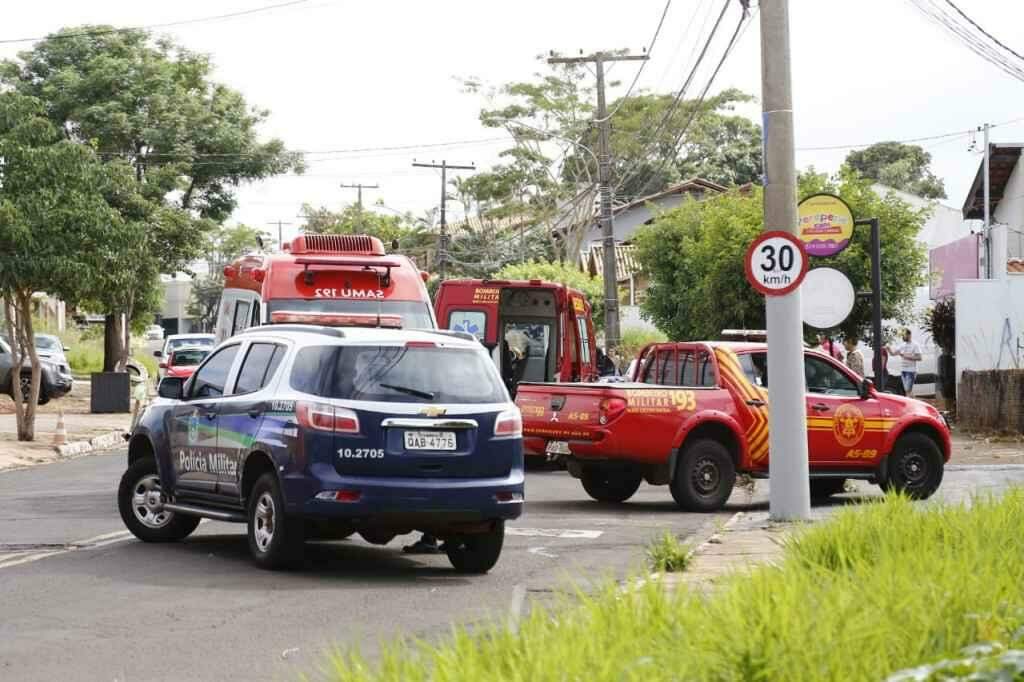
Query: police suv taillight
x,y
509,424
324,417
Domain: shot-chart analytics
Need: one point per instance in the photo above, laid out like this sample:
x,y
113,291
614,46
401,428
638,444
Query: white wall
x,y
990,324
1010,212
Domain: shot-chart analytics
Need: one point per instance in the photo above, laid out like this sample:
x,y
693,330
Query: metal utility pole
x,y
787,420
359,198
442,244
280,233
988,217
604,186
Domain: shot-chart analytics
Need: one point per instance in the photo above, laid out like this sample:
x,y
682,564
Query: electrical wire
x,y
910,140
168,24
671,109
700,100
643,64
983,31
981,45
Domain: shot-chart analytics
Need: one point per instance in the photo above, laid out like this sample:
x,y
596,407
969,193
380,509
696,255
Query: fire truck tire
x,y
610,485
914,466
704,476
824,488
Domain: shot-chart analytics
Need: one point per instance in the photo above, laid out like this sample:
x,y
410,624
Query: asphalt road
x,y
81,599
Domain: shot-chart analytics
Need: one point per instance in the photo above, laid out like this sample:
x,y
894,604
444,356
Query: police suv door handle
x,y
820,407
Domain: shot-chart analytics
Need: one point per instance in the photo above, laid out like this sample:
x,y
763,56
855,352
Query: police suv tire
x,y
704,476
276,539
476,553
610,485
914,467
824,488
143,523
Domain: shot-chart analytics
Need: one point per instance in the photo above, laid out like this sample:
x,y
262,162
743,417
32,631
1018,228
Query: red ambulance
x,y
535,330
339,280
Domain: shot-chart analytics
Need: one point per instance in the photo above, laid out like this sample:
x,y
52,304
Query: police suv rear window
x,y
397,374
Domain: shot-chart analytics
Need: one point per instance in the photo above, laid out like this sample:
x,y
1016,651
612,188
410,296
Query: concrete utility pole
x,y
604,186
359,198
442,243
790,497
987,230
280,233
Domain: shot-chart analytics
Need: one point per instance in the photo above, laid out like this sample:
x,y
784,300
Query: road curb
x,y
78,448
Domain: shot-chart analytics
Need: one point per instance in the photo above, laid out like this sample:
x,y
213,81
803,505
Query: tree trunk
x,y
111,342
19,327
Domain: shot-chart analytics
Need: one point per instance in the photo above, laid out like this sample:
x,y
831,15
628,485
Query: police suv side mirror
x,y
171,387
865,388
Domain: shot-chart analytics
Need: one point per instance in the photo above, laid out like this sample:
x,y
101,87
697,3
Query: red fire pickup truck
x,y
696,414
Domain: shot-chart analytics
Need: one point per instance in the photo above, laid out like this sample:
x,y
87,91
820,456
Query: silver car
x,y
55,381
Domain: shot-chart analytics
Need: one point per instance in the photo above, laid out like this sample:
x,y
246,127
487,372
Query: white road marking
x,y
563,533
95,542
542,551
515,609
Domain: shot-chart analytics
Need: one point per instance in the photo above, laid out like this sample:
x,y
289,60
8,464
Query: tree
x,y
56,217
900,166
569,275
411,234
547,180
694,255
189,141
223,245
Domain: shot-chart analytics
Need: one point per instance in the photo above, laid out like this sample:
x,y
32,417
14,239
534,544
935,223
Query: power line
x,y
643,64
986,33
670,111
700,100
980,45
169,24
956,133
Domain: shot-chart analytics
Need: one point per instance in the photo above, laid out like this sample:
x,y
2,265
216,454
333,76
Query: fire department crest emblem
x,y
848,425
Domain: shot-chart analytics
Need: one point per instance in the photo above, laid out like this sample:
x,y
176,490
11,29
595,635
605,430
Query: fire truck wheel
x,y
610,485
914,466
704,476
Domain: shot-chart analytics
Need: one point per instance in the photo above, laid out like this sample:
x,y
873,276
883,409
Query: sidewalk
x,y
81,427
750,539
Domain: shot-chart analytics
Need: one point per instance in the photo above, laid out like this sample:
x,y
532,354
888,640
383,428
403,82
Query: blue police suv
x,y
319,432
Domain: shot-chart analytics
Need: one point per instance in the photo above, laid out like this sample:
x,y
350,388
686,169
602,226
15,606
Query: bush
x,y
668,555
875,590
633,341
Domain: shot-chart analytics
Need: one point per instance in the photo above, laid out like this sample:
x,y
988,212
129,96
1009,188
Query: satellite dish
x,y
826,298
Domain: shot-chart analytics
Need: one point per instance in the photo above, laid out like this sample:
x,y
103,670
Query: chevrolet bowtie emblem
x,y
433,411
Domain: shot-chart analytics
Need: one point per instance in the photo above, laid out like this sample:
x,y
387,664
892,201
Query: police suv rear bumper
x,y
438,499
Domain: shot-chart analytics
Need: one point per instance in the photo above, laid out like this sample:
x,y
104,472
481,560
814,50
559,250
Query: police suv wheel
x,y
476,553
610,485
704,476
275,539
140,500
914,466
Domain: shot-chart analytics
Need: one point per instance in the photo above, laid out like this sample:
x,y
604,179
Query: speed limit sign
x,y
776,263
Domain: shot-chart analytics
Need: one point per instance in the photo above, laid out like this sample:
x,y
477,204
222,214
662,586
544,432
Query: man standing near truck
x,y
910,352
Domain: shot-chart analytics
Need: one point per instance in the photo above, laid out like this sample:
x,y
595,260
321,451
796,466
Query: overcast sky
x,y
340,75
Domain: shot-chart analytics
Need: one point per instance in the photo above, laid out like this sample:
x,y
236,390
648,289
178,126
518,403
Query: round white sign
x,y
826,298
776,263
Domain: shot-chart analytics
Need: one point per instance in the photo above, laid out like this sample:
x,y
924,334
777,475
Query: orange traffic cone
x,y
60,436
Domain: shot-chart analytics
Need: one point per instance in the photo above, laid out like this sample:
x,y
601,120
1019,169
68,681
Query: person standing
x,y
827,345
910,353
854,358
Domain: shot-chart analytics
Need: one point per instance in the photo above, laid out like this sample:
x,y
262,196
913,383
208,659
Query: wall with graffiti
x,y
990,324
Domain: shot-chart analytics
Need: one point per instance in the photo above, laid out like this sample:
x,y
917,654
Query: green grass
x,y
668,555
878,589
